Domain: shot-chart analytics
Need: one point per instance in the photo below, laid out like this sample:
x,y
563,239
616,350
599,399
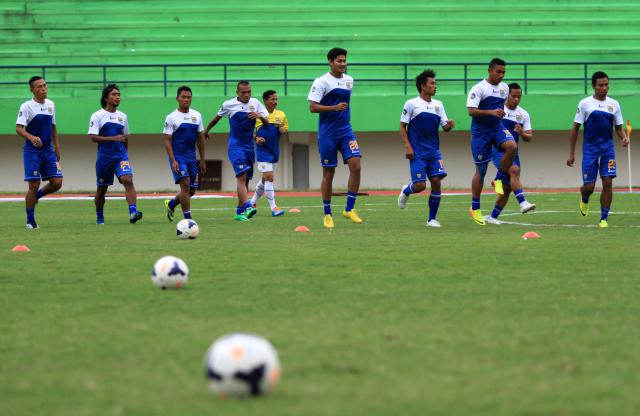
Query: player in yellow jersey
x,y
268,150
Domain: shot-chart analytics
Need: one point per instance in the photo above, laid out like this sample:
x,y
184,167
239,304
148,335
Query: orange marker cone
x,y
301,228
530,234
17,249
294,210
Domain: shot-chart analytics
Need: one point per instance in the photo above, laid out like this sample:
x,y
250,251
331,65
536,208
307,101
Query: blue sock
x,y
31,215
239,209
408,190
173,203
326,203
246,206
187,215
519,193
585,200
351,201
497,210
100,215
39,194
604,213
434,204
133,209
502,176
475,203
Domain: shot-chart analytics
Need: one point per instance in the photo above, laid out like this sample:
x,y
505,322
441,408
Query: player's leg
x,y
241,191
258,192
434,200
350,151
328,160
30,203
132,197
418,172
51,172
101,192
249,209
508,147
607,173
518,192
589,176
185,197
171,204
476,190
105,169
269,190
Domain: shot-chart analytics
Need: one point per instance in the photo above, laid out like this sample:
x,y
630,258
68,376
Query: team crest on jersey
x,y
120,120
252,108
436,108
518,117
502,92
348,84
194,119
50,110
610,108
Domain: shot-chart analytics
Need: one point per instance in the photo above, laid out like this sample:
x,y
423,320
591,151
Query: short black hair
x,y
495,62
335,52
597,75
183,88
105,93
423,76
243,82
514,86
267,94
33,79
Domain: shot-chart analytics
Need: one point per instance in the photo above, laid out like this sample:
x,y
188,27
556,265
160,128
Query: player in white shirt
x,y
36,124
183,131
600,114
330,96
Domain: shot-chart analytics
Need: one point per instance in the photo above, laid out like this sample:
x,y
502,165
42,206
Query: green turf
x,y
387,317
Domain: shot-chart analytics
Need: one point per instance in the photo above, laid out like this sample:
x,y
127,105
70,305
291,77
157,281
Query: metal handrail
x,y
286,79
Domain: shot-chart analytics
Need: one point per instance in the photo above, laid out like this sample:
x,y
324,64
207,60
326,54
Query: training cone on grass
x,y
530,234
302,228
17,249
294,210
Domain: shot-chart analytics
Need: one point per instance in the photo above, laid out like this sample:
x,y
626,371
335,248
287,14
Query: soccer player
x,y
36,124
485,105
330,95
242,111
419,123
110,129
517,121
599,114
268,150
183,131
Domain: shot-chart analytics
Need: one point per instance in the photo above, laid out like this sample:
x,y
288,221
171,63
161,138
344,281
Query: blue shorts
x,y
426,168
482,144
329,147
242,161
106,168
604,162
188,169
41,165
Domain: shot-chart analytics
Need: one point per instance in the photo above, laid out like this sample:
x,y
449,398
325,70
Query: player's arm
x,y
449,125
257,116
284,128
202,164
526,135
169,147
211,125
56,143
315,107
622,134
408,150
35,140
573,139
102,139
476,112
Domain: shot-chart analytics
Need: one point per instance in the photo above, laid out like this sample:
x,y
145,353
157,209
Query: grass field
x,y
388,317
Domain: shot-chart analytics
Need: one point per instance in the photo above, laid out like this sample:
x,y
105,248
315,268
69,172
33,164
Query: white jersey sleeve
x,y
317,91
200,126
224,110
475,96
405,117
94,124
443,116
125,131
581,115
53,121
23,115
168,125
260,108
618,115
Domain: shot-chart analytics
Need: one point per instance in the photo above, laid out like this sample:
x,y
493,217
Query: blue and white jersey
x,y
184,129
486,96
424,119
106,124
513,117
598,118
241,126
38,120
329,90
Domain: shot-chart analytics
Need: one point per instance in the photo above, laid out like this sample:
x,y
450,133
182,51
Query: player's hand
x,y
253,115
408,152
206,135
35,140
202,166
450,125
499,113
260,140
175,166
283,130
570,160
625,142
119,138
341,107
518,128
57,152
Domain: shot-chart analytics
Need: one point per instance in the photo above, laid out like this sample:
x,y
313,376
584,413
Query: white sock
x,y
258,193
270,194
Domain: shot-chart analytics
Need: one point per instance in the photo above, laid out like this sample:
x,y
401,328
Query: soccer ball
x,y
239,365
187,229
170,273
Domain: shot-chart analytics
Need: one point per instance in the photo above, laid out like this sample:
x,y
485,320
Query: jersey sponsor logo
x,y
473,96
404,111
166,124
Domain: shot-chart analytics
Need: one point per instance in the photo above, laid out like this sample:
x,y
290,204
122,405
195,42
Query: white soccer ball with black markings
x,y
170,273
187,229
239,365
